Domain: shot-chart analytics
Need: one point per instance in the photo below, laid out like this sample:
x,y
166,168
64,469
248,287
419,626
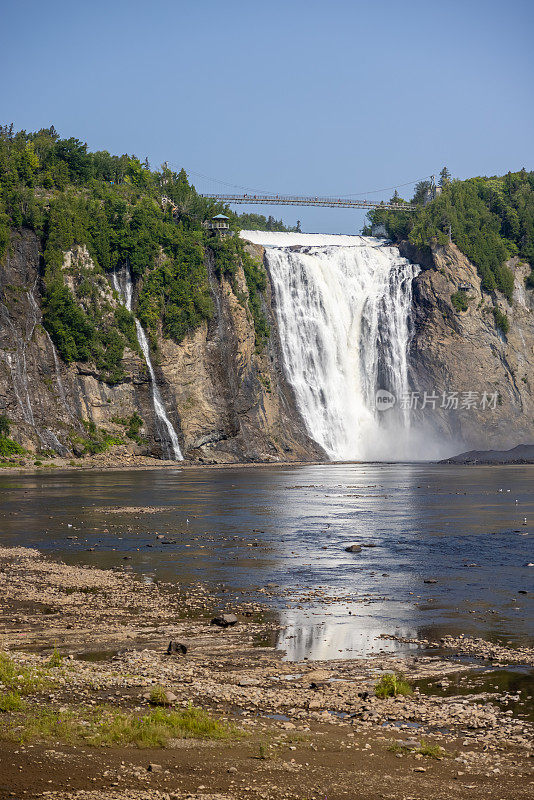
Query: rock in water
x,y
353,548
176,647
224,620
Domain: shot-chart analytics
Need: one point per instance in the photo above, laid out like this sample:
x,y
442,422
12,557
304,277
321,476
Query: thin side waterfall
x,y
59,381
343,306
122,282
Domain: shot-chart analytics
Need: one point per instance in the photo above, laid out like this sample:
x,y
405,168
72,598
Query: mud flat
x,y
85,654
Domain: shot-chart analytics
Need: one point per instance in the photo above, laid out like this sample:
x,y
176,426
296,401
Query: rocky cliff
x,y
227,401
486,372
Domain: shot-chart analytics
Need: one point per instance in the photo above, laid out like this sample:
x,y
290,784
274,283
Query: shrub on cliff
x,y
8,447
501,321
4,425
460,300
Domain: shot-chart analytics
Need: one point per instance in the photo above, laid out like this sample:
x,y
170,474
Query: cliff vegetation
x,y
490,220
109,209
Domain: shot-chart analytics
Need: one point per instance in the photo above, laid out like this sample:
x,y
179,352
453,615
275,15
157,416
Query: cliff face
x,y
464,351
229,402
226,401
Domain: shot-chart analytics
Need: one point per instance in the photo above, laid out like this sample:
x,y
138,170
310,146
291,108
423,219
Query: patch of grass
x,y
11,701
82,589
8,447
431,750
158,726
391,685
399,748
55,660
158,696
263,752
425,749
16,678
104,726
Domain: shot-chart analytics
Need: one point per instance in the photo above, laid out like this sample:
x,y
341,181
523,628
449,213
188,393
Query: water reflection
x,y
318,636
278,535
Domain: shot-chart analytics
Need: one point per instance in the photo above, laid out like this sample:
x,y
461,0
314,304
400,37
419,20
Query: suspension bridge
x,y
250,196
296,200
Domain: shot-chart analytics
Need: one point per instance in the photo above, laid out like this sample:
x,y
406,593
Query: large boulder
x,y
224,620
176,648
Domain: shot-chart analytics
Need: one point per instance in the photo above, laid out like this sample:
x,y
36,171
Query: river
x,y
446,550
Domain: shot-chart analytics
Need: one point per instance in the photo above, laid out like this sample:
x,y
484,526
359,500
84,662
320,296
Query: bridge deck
x,y
288,200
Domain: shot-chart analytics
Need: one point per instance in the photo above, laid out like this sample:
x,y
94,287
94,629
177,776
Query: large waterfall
x,y
343,308
122,283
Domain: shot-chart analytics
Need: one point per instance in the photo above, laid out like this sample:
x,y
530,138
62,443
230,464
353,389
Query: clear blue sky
x,y
298,96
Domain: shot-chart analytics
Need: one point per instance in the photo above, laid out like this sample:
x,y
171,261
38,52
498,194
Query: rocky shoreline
x,y
127,461
305,729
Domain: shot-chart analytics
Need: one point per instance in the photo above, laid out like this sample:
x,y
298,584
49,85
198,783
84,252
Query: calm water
x,y
284,529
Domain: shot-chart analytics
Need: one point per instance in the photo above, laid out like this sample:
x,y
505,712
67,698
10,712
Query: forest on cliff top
x,y
111,205
490,219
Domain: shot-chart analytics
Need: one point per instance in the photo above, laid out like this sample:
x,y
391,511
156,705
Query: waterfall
x,y
122,282
343,308
59,381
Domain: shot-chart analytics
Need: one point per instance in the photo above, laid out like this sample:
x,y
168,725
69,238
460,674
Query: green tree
x,y
444,177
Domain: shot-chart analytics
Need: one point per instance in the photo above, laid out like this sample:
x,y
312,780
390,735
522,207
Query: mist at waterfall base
x,y
343,307
122,283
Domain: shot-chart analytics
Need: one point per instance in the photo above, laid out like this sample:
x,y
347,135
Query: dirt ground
x,y
309,729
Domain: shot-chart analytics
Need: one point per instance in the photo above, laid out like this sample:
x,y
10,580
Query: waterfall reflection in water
x,y
277,536
321,635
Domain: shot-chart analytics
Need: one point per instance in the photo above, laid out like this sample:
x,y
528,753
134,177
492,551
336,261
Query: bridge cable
x,y
275,194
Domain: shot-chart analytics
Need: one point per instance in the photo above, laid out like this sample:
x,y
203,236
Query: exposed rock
x,y
249,681
353,548
465,352
227,401
176,647
224,620
522,454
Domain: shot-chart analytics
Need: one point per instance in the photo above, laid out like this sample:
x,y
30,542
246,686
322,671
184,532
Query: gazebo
x,y
219,225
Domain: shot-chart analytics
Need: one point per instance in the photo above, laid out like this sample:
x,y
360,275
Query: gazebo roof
x,y
220,216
